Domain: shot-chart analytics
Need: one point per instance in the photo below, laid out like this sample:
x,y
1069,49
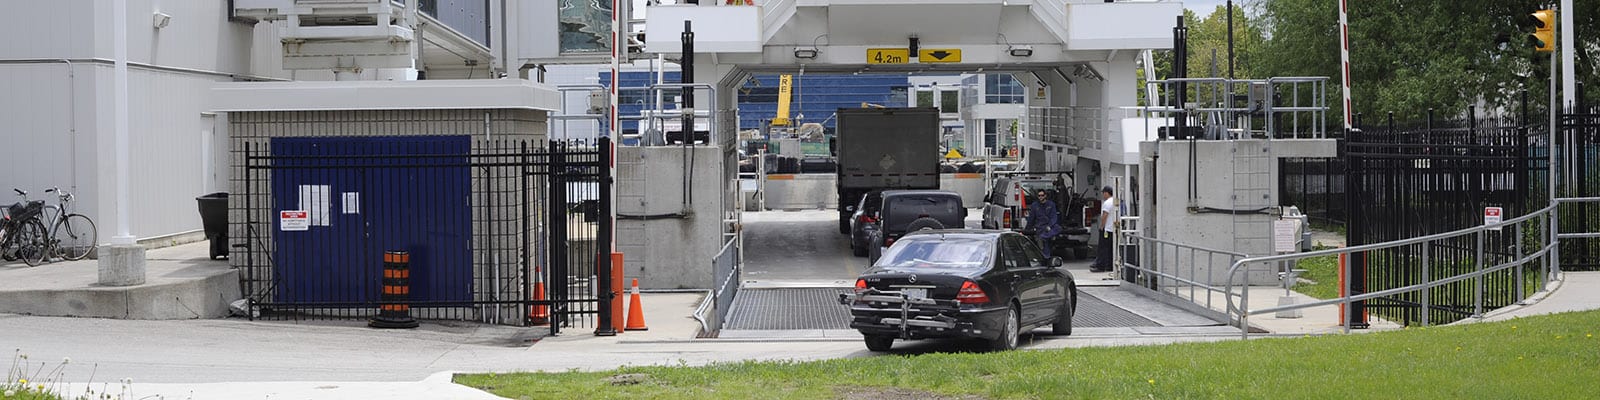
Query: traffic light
x,y
1544,33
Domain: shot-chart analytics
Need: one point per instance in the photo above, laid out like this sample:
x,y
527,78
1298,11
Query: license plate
x,y
915,293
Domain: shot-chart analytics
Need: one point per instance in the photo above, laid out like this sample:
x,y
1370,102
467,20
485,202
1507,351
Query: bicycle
x,y
22,234
78,228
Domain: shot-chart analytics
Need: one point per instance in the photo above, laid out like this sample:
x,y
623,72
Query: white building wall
x,y
59,130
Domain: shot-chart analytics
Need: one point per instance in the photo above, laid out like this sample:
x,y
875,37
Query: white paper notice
x,y
1285,234
351,202
316,200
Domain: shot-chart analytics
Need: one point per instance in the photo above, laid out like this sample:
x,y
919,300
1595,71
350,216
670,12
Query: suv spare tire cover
x,y
924,223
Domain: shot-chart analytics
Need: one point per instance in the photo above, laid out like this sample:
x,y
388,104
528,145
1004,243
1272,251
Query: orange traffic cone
x,y
635,310
539,314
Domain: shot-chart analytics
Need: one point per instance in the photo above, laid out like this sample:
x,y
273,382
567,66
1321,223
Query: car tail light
x,y
861,285
1005,220
971,294
888,241
866,219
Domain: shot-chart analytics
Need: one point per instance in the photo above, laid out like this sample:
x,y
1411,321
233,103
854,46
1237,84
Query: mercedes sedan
x,y
980,284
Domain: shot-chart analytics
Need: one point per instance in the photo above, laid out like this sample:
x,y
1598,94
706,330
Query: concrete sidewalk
x,y
180,283
1575,291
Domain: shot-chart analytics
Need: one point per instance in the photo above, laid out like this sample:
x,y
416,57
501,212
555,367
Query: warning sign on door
x,y
294,220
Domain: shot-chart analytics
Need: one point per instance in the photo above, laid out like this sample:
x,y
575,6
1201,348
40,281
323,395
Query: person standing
x,y
1044,221
1108,220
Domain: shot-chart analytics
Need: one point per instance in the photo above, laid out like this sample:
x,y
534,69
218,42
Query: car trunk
x,y
942,284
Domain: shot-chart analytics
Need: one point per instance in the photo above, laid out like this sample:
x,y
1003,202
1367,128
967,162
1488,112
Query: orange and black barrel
x,y
394,308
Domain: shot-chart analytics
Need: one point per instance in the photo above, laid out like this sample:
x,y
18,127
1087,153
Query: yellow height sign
x,y
888,56
785,83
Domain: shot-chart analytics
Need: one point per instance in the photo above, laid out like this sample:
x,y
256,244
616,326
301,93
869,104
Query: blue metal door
x,y
366,195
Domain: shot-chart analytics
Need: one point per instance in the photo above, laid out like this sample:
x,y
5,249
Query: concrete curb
x,y
1534,299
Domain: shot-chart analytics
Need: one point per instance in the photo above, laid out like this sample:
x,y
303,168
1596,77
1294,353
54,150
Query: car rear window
x,y
936,252
904,209
873,202
1033,188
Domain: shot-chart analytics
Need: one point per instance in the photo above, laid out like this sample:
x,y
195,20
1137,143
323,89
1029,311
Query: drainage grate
x,y
789,308
819,308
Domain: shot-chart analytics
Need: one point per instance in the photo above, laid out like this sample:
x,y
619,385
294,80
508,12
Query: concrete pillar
x,y
122,262
121,265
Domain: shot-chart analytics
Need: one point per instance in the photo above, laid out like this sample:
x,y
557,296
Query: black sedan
x,y
981,284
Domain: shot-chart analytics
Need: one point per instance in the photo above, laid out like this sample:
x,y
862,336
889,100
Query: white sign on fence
x,y
294,220
1493,215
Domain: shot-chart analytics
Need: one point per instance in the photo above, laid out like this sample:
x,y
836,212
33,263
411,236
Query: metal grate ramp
x,y
819,308
788,308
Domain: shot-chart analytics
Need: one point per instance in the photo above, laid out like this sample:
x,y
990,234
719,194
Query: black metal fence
x,y
485,222
1316,186
1407,181
1580,161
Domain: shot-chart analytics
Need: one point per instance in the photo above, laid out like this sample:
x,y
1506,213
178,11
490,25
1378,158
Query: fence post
x,y
1427,282
556,228
603,243
1520,264
1477,311
1356,276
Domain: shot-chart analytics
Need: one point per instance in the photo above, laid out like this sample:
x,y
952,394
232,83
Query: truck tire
x,y
844,223
924,223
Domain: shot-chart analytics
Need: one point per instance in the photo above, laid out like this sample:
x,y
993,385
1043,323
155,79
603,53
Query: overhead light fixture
x,y
805,53
1020,51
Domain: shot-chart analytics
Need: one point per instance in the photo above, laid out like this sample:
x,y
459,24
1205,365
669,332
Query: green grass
x,y
1324,271
1543,357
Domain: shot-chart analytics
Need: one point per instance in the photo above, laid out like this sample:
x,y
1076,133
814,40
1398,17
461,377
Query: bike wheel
x,y
35,246
74,236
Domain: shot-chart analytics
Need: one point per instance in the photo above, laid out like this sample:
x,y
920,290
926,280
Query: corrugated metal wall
x,y
37,142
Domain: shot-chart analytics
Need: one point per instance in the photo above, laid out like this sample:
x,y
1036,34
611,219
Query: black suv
x,y
903,211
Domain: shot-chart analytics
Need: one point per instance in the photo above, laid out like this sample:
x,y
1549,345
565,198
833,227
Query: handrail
x,y
1244,313
1150,263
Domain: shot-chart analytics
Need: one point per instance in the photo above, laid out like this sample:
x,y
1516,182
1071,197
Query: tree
x,y
1208,47
1411,56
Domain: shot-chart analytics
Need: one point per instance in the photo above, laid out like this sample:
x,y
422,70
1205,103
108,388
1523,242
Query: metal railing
x,y
1546,253
725,286
1082,127
656,118
1280,107
1155,265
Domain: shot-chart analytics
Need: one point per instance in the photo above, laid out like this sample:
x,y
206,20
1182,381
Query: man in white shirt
x,y
1108,220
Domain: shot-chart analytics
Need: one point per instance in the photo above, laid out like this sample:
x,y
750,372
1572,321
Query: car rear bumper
x,y
923,318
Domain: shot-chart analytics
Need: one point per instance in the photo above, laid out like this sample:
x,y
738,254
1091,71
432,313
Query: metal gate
x,y
1410,181
1580,163
485,223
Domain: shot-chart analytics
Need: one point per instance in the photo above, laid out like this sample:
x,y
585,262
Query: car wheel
x,y
858,251
1008,335
1063,323
879,343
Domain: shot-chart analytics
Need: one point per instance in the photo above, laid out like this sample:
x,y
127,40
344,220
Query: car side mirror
x,y
850,208
1057,262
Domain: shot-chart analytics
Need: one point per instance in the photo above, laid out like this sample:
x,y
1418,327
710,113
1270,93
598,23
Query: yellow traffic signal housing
x,y
1544,32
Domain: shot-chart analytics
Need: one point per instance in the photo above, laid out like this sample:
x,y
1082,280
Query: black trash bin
x,y
214,217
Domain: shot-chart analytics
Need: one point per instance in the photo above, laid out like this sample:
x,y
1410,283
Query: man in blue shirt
x,y
1043,221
